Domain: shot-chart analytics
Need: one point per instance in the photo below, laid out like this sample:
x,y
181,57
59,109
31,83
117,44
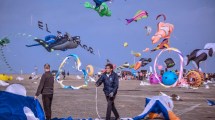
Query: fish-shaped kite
x,y
138,16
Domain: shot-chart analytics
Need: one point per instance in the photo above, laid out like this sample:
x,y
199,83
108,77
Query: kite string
x,y
97,112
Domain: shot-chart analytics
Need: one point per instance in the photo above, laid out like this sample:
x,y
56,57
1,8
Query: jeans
x,y
47,103
111,107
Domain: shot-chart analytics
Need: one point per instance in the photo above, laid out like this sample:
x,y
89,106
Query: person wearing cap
x,y
111,83
46,88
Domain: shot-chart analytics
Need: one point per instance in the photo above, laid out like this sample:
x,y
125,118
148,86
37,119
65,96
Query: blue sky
x,y
193,21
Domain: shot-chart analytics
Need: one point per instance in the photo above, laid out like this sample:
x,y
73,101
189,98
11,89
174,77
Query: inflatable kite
x,y
90,70
3,83
164,17
125,65
4,41
200,55
156,106
62,44
102,10
169,62
17,106
142,62
169,78
138,16
154,80
195,78
164,30
4,77
164,44
148,29
137,65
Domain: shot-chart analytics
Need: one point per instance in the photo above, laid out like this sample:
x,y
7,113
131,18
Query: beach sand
x,y
130,99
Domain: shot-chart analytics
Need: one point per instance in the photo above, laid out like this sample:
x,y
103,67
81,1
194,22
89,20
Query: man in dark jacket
x,y
111,84
46,88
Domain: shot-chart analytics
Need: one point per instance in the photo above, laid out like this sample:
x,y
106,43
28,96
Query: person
x,y
46,88
64,74
141,75
111,84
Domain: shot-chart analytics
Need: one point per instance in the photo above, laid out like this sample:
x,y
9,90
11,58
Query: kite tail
x,y
129,20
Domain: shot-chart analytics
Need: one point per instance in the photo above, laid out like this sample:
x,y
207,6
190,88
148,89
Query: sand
x,y
129,102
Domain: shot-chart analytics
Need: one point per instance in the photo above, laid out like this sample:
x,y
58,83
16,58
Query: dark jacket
x,y
111,83
46,84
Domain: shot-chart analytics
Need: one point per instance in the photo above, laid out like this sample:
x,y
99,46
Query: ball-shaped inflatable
x,y
169,78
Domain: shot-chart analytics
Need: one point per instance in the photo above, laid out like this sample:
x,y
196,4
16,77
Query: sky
x,y
193,21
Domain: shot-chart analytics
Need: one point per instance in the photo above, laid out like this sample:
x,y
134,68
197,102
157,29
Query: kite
x,y
210,102
146,50
77,66
61,42
169,78
4,77
142,62
153,79
137,65
102,10
4,41
138,16
181,66
160,67
200,55
13,105
125,44
136,54
169,62
90,70
164,44
164,17
195,78
148,29
164,30
158,105
145,61
99,3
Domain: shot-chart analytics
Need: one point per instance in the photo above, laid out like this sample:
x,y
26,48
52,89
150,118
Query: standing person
x,y
64,74
141,75
123,75
46,88
111,84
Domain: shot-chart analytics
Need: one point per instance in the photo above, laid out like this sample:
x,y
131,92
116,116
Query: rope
x,y
97,112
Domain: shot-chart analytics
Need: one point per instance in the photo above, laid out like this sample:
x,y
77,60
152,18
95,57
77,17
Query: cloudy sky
x,y
193,21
